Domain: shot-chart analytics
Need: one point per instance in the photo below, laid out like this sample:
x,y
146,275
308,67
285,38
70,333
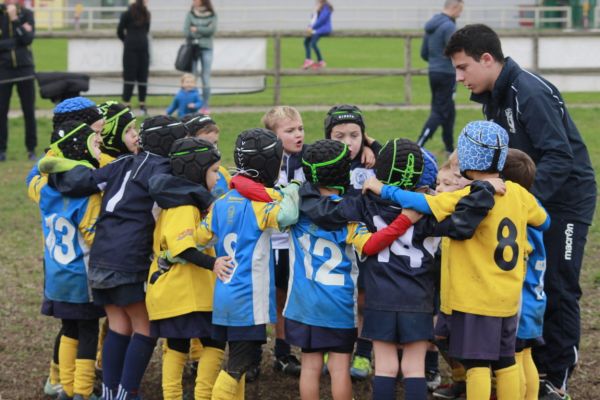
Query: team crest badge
x,y
510,120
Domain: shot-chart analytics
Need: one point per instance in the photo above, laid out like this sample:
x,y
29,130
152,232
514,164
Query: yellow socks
x,y
241,388
479,383
85,374
67,353
226,387
209,366
531,376
101,335
195,349
522,380
54,373
507,383
172,373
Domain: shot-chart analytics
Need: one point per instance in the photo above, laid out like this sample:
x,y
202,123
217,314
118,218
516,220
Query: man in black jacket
x,y
532,110
17,29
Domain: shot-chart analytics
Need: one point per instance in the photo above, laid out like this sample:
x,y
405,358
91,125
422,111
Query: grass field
x,y
26,336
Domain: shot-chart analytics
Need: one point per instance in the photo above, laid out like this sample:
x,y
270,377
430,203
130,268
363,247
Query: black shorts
x,y
187,326
282,268
397,327
480,337
312,339
122,295
254,333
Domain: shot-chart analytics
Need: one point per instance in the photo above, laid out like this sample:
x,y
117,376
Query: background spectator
x,y
133,29
320,25
17,29
442,79
200,27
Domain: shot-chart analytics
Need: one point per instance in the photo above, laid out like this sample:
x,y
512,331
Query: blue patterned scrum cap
x,y
73,104
482,146
76,108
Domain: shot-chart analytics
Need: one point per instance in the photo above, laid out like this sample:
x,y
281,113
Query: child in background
x,y
68,225
287,125
181,278
520,169
119,134
241,222
188,99
485,285
204,127
320,314
320,25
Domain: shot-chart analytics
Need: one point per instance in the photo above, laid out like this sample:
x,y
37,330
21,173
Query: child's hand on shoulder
x,y
191,106
413,215
498,184
372,184
223,268
368,157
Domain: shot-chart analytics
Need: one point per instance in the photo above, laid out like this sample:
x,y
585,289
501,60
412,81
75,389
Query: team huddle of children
x,y
151,231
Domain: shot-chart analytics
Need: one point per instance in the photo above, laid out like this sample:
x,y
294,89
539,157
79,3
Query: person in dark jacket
x,y
442,80
17,30
533,112
133,29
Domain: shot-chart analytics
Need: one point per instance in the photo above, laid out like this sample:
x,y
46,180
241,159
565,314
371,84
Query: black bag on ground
x,y
185,58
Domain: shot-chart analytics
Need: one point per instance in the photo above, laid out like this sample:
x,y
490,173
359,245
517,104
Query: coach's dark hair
x,y
475,40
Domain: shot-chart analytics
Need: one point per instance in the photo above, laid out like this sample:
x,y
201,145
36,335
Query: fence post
x,y
408,65
536,51
277,76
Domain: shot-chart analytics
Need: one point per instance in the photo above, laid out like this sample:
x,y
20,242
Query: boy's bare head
x,y
449,178
287,124
188,81
519,168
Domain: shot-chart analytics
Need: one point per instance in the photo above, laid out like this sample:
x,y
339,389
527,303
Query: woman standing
x,y
320,25
133,31
199,28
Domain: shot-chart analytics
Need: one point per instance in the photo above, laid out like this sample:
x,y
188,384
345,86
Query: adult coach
x,y
441,74
532,110
16,69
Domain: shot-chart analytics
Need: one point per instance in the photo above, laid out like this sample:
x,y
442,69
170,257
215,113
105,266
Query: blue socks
x,y
139,353
363,348
384,388
282,348
415,389
113,355
431,361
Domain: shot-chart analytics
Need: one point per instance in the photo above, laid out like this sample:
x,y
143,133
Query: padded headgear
x,y
76,109
482,146
399,163
327,163
74,140
118,119
196,121
192,157
158,133
430,170
258,155
343,114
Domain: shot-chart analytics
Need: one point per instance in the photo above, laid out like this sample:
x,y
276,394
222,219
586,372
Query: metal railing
x,y
277,71
284,17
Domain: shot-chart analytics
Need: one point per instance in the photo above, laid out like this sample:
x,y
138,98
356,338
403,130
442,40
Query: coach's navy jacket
x,y
533,112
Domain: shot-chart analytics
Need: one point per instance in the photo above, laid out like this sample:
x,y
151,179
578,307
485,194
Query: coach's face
x,y
477,76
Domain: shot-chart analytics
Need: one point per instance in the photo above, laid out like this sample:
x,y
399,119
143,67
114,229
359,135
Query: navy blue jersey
x,y
124,229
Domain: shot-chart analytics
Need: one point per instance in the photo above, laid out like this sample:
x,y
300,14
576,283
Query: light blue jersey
x,y
68,226
322,284
533,298
222,185
242,229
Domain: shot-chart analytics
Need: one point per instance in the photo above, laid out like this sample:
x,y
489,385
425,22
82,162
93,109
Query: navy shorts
x,y
64,310
397,326
442,326
254,333
312,339
480,337
191,325
122,295
282,268
522,344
